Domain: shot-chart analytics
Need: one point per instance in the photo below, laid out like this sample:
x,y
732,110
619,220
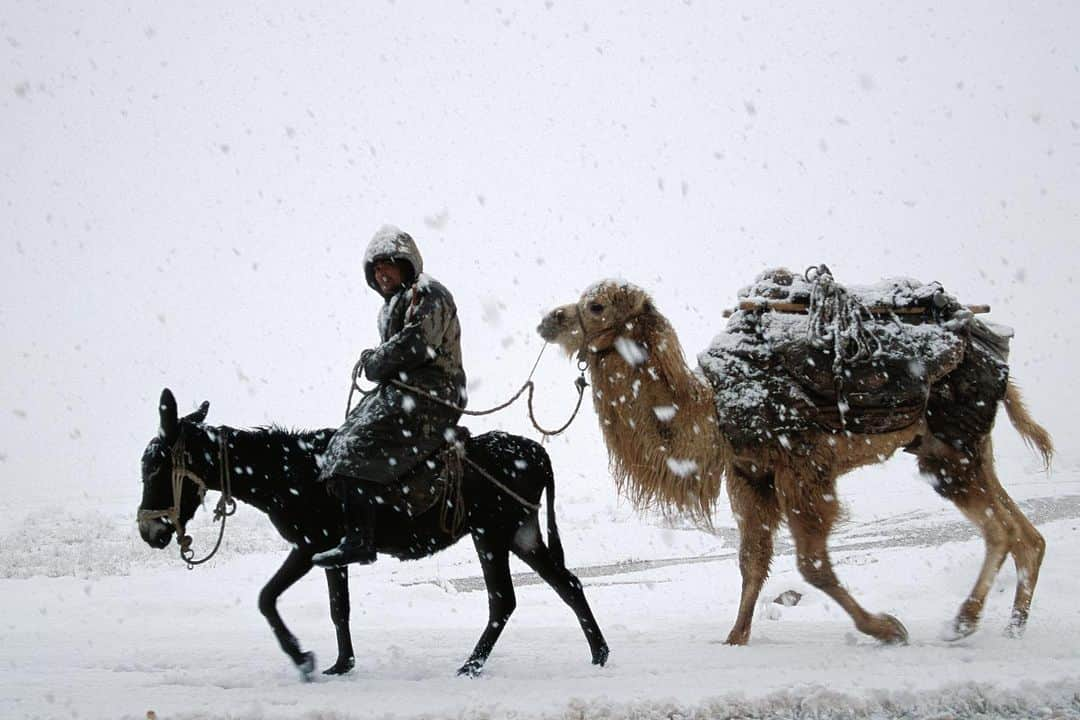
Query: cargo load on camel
x,y
804,353
807,385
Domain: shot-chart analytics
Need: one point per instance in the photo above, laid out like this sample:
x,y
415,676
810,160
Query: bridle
x,y
226,505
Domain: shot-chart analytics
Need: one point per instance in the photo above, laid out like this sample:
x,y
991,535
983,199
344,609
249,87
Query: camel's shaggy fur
x,y
666,450
673,456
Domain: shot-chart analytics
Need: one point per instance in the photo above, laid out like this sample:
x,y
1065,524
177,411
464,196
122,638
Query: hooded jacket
x,y
391,430
418,324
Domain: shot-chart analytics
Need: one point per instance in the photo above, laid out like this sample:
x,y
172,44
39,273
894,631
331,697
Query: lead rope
x,y
502,486
225,508
580,383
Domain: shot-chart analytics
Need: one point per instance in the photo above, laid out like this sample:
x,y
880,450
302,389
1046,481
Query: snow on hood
x,y
391,242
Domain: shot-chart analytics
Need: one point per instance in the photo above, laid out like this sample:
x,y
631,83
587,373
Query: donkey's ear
x,y
199,415
170,426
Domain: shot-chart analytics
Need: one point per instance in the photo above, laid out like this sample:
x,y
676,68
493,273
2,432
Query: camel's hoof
x,y
341,667
737,638
600,656
470,669
1016,627
893,632
306,666
958,629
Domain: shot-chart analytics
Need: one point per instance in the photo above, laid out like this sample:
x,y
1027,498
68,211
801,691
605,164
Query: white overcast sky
x,y
186,189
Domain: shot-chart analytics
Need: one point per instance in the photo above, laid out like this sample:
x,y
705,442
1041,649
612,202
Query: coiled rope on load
x,y
836,324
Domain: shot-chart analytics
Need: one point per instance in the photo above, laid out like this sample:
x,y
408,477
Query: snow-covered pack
x,y
863,359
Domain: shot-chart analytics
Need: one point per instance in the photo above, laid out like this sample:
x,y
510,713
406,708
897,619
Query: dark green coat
x,y
391,429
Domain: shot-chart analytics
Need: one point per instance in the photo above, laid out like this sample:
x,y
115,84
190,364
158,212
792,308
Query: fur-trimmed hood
x,y
392,243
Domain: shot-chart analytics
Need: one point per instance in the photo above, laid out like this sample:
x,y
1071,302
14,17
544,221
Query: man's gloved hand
x,y
364,357
358,368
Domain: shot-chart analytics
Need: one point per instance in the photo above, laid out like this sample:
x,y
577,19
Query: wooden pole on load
x,y
790,307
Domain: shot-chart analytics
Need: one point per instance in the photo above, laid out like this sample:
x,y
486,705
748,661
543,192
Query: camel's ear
x,y
633,301
170,426
200,414
619,300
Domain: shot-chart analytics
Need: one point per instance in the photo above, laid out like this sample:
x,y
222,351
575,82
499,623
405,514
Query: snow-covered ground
x,y
96,624
186,190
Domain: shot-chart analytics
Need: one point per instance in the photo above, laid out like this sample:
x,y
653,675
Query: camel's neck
x,y
659,423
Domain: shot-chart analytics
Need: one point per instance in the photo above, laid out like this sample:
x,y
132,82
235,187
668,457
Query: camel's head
x,y
605,311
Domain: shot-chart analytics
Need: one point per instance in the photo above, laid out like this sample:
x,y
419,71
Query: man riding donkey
x,y
393,429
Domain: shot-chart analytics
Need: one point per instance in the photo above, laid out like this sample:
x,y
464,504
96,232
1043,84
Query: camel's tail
x,y
1034,434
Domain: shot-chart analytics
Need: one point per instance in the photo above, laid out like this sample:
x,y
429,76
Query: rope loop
x,y
226,506
580,384
837,325
453,521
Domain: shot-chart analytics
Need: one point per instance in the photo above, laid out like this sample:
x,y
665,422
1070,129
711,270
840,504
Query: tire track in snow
x,y
910,530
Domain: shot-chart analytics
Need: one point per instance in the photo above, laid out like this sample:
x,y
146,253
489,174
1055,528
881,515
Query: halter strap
x,y
226,505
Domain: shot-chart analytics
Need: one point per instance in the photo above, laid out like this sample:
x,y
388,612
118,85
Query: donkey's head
x,y
166,461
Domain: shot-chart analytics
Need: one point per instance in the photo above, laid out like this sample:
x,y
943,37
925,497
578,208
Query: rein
x,y
226,505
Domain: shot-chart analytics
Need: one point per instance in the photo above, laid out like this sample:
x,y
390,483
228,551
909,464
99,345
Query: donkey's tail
x,y
554,542
1034,434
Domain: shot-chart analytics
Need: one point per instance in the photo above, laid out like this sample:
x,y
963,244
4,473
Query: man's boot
x,y
358,545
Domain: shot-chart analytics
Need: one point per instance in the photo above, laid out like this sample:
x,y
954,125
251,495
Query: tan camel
x,y
667,450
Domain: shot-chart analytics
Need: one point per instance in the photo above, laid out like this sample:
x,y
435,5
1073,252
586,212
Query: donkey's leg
x,y
296,565
495,562
811,515
528,545
972,485
337,583
753,502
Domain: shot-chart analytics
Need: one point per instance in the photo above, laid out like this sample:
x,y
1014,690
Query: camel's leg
x,y
528,546
972,485
811,513
495,563
1028,549
753,502
337,583
296,565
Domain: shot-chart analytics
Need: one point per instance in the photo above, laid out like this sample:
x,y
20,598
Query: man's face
x,y
388,276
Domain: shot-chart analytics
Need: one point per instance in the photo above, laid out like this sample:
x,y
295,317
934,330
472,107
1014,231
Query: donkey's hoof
x,y
600,655
470,669
306,666
891,631
342,666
